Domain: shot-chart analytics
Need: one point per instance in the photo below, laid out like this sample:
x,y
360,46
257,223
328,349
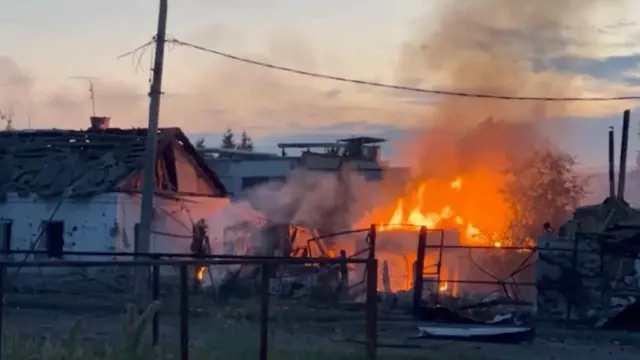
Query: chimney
x,y
99,122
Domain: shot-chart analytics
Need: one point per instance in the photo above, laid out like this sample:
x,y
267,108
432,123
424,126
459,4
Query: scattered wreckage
x,y
463,311
586,272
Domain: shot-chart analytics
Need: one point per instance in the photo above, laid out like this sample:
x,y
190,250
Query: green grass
x,y
78,344
16,348
24,348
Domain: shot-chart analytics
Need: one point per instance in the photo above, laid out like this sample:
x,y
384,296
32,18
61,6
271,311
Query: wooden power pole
x,y
143,237
624,145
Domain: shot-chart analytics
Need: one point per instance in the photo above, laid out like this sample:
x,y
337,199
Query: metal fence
x,y
154,265
183,261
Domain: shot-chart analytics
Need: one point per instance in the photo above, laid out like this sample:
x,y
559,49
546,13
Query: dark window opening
x,y
251,181
5,236
171,181
54,238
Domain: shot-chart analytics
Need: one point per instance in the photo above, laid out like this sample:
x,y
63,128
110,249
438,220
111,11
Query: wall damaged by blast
x,y
578,278
87,225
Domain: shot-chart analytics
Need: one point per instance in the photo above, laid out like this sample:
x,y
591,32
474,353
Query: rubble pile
x,y
588,271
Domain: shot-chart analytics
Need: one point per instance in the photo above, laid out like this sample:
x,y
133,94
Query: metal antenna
x,y
93,97
92,94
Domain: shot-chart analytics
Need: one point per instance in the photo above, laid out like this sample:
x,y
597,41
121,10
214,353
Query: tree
x,y
8,119
542,187
200,143
246,143
228,141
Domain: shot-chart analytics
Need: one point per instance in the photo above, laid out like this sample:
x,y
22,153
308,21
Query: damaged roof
x,y
77,163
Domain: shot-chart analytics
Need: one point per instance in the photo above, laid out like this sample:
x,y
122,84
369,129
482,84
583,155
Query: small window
x,y
5,236
52,239
251,181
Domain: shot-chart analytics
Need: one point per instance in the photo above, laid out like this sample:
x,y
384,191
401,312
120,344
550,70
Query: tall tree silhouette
x,y
228,140
246,143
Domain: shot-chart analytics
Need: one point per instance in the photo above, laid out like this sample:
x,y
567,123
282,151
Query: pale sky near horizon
x,y
52,41
45,43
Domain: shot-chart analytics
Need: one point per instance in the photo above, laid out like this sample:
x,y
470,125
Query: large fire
x,y
445,216
437,204
431,220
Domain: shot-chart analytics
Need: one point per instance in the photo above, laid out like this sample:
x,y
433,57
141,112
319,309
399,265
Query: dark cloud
x,y
615,68
12,75
70,107
15,85
333,93
632,80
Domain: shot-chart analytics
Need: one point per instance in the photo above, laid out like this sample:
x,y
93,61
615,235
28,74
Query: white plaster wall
x,y
105,223
172,222
89,224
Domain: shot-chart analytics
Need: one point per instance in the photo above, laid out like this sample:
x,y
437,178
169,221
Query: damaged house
x,y
69,190
589,270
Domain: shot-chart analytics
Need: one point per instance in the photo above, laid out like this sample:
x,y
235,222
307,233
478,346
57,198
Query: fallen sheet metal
x,y
477,332
626,318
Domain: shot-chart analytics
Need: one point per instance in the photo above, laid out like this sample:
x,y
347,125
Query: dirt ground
x,y
295,326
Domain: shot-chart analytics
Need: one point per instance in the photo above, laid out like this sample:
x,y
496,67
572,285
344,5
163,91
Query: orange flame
x,y
417,218
445,217
200,273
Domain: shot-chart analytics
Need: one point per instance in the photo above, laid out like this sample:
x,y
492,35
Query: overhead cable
x,y
392,86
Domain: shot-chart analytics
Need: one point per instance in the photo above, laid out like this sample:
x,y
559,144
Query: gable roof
x,y
76,163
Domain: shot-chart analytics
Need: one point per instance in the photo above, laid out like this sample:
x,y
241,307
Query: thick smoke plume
x,y
497,47
483,46
331,201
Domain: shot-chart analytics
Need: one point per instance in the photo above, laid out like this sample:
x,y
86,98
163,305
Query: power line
x,y
396,87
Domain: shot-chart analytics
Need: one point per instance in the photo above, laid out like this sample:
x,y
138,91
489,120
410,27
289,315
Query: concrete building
x,y
68,190
240,170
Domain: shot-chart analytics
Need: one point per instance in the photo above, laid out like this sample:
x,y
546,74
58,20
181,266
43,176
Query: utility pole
x,y
143,238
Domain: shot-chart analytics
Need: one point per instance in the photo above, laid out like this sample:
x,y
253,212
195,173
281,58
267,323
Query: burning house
x,y
447,254
68,190
299,202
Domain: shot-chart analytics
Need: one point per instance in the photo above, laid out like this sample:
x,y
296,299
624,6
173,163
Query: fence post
x,y
371,306
155,290
2,275
418,272
574,267
372,241
184,312
264,311
344,275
